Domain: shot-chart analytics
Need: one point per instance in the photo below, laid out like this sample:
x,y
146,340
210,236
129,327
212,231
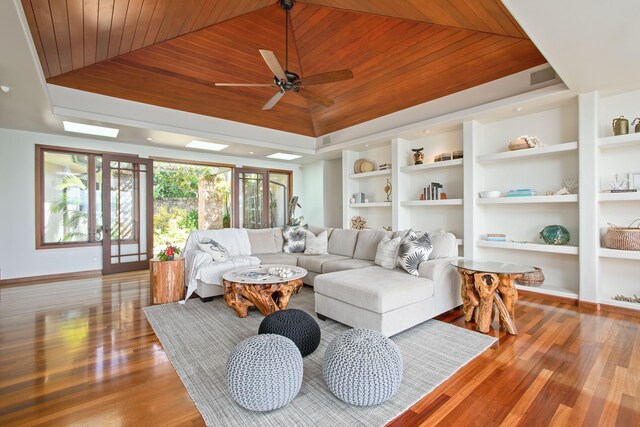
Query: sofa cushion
x,y
444,245
367,244
278,258
345,264
262,241
414,249
294,239
343,242
314,262
387,252
374,288
316,245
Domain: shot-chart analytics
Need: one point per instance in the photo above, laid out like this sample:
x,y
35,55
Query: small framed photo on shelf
x,y
634,181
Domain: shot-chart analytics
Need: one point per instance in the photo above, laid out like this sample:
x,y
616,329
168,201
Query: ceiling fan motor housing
x,y
286,4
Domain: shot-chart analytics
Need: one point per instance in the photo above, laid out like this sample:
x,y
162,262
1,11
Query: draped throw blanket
x,y
201,266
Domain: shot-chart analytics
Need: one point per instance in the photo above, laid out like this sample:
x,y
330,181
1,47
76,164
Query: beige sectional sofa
x,y
350,288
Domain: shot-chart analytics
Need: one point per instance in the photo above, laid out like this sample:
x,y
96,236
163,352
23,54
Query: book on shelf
x,y
384,166
522,192
626,190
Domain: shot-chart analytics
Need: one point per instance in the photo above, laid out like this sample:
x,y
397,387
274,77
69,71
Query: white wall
x,y
321,198
18,256
333,193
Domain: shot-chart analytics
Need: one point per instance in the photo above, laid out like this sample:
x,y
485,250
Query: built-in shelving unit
x,y
568,198
580,270
533,247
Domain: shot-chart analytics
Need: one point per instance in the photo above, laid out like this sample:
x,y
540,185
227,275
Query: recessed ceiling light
x,y
366,145
90,129
250,152
517,109
149,139
5,88
283,156
212,146
426,131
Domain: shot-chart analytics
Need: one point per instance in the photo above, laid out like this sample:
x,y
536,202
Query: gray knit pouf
x,y
264,372
362,367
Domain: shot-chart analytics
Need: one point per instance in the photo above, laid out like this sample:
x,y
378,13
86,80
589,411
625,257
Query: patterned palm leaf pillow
x,y
294,239
218,252
414,250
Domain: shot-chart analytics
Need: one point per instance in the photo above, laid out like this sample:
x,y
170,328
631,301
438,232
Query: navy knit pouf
x,y
362,367
296,325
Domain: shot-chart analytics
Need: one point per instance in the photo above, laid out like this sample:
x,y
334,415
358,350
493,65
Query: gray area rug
x,y
198,338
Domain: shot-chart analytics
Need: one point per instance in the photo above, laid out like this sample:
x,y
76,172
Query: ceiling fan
x,y
288,81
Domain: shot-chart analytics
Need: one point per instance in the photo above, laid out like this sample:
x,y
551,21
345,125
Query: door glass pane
x,y
98,198
66,197
251,200
123,202
278,199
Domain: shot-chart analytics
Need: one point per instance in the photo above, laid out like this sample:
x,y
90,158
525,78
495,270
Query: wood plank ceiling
x,y
168,53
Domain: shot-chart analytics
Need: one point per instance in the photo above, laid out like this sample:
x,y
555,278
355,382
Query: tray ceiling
x,y
169,53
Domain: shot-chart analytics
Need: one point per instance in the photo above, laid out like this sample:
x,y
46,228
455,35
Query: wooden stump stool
x,y
167,280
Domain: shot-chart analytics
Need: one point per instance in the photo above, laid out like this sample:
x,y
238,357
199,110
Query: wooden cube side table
x,y
167,280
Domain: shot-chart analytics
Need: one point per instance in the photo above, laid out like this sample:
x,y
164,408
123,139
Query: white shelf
x,y
548,150
434,165
445,202
370,174
549,290
534,247
371,205
619,141
618,197
619,254
568,198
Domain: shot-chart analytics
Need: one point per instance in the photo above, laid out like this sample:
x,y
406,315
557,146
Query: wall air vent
x,y
326,140
543,76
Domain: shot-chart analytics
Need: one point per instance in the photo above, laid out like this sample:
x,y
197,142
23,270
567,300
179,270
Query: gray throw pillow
x,y
387,252
216,250
414,250
294,239
315,245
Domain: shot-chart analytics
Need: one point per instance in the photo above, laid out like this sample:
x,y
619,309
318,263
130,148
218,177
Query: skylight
x,y
90,129
202,145
283,156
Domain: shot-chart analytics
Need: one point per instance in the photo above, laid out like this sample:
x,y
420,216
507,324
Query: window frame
x,y
267,172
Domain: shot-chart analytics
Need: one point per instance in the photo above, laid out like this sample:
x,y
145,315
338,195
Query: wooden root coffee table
x,y
268,294
486,283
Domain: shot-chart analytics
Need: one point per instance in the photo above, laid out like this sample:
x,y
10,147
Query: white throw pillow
x,y
316,245
216,250
387,252
414,250
294,238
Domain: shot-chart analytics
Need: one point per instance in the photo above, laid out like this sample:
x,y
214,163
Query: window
x,y
69,198
262,197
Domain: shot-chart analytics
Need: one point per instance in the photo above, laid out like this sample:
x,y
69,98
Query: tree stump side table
x,y
167,280
486,285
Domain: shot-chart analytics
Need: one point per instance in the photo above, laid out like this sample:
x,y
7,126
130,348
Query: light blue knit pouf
x,y
362,367
264,372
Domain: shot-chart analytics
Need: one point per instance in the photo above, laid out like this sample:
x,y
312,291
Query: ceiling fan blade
x,y
273,101
273,63
246,84
312,96
328,77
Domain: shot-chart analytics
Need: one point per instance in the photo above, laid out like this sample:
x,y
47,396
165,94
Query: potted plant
x,y
169,253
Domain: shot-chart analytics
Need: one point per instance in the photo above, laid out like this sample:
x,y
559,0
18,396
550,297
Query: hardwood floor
x,y
82,352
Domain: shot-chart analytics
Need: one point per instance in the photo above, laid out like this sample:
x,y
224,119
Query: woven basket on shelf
x,y
535,278
623,238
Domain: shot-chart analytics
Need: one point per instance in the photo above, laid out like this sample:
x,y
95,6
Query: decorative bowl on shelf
x,y
490,194
555,235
